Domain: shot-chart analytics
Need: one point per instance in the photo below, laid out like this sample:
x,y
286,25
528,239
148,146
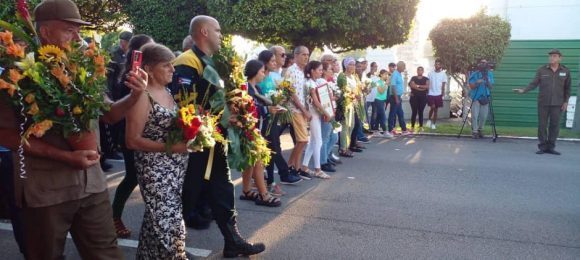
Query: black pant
x,y
548,126
219,190
126,186
418,103
274,145
7,192
355,131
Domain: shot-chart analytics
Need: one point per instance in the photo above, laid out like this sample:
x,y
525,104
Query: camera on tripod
x,y
483,65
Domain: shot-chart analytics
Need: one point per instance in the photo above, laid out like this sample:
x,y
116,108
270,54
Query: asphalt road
x,y
408,198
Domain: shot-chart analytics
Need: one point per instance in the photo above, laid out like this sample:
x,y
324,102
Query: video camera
x,y
483,66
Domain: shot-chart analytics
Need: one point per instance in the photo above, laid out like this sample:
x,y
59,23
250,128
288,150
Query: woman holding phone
x,y
160,171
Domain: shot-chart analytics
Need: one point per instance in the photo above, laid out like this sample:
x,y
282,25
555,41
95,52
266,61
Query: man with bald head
x,y
208,175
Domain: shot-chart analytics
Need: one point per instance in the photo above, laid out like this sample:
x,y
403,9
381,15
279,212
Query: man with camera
x,y
480,82
555,82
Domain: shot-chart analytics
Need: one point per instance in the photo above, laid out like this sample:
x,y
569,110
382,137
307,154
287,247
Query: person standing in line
x,y
347,84
300,112
555,82
437,82
397,86
379,104
419,87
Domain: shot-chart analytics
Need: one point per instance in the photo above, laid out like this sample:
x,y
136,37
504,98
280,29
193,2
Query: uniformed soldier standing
x,y
554,81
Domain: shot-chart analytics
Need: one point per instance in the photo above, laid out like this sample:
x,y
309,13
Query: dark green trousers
x,y
548,126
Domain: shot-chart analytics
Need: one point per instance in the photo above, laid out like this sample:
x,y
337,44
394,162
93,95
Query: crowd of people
x,y
66,190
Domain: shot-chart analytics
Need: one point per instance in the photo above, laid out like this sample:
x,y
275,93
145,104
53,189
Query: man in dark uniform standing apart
x,y
554,81
208,172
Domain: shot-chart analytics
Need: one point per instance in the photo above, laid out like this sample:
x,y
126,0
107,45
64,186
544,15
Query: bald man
x,y
218,191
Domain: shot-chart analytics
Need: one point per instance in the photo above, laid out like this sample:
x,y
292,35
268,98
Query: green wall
x,y
518,68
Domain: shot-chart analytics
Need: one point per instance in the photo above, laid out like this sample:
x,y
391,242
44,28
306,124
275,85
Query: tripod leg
x,y
465,120
492,117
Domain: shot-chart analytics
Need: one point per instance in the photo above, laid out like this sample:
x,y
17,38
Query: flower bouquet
x,y
247,145
198,129
58,89
280,98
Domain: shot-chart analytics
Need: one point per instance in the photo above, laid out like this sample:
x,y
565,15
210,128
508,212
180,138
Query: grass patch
x,y
453,128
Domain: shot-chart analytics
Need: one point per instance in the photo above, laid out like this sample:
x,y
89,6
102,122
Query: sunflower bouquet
x,y
191,125
280,98
54,87
247,145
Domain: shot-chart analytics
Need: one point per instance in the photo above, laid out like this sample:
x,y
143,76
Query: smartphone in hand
x,y
137,58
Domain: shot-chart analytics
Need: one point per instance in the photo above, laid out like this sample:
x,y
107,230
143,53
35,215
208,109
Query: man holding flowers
x,y
64,190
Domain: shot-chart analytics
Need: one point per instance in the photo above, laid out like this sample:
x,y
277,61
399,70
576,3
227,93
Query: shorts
x,y
300,127
436,101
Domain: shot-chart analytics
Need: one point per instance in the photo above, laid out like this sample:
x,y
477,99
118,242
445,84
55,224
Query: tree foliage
x,y
104,15
341,25
166,21
459,43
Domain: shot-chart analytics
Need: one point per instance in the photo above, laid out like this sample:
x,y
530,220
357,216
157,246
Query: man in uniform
x,y
554,81
64,190
208,173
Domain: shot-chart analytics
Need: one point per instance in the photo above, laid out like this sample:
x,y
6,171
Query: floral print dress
x,y
160,176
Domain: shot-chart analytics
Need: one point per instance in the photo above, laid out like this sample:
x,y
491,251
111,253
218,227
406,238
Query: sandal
x,y
321,175
343,153
249,195
268,200
121,229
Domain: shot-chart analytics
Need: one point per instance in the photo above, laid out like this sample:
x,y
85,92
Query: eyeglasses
x,y
283,55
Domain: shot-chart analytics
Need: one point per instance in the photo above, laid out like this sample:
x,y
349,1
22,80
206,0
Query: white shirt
x,y
373,94
296,76
436,80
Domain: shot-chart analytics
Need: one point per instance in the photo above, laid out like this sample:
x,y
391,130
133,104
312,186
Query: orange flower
x,y
9,87
58,72
39,129
6,38
92,46
89,53
15,76
15,50
99,60
29,98
33,109
77,110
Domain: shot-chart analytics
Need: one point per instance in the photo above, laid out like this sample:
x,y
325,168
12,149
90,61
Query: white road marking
x,y
129,243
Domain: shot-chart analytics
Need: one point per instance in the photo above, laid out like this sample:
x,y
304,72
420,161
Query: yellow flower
x,y
39,129
50,53
29,98
77,110
15,76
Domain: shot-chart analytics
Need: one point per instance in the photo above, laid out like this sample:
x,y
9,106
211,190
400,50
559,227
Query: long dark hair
x,y
135,43
265,56
312,65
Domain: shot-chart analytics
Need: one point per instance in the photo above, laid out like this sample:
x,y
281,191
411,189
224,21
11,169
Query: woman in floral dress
x,y
160,173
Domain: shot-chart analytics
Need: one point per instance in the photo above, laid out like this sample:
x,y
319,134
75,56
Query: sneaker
x,y
552,151
327,168
304,175
428,125
433,127
290,179
406,132
394,133
480,134
475,136
364,140
387,135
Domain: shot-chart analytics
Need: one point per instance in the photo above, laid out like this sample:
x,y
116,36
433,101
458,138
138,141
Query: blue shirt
x,y
397,82
480,89
267,86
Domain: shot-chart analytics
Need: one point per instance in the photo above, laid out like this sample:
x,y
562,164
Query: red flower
x,y
249,135
191,131
59,112
22,7
244,86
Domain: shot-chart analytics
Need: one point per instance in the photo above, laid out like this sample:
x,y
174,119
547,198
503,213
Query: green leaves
x,y
459,43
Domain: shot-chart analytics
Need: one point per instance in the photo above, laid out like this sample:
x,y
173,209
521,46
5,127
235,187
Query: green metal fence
x,y
518,68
